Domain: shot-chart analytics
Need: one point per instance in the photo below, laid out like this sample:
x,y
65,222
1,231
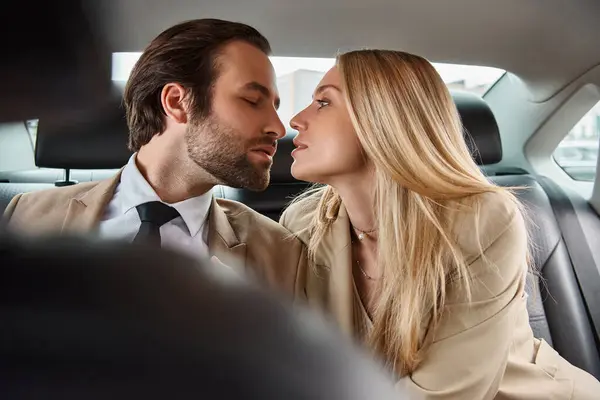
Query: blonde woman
x,y
413,251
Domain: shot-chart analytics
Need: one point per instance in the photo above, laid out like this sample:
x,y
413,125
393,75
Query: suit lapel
x,y
336,251
222,239
85,211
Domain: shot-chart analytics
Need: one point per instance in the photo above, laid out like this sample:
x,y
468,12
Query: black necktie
x,y
153,215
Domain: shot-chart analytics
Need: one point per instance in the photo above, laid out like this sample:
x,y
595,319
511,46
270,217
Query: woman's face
x,y
327,147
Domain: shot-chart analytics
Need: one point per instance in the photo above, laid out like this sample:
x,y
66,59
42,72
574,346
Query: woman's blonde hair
x,y
410,130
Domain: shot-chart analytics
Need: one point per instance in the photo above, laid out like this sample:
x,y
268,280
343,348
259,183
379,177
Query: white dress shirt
x,y
187,233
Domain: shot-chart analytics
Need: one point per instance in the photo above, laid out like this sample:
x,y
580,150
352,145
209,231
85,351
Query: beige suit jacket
x,y
237,235
482,350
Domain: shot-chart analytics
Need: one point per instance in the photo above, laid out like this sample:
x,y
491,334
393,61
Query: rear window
x,y
297,77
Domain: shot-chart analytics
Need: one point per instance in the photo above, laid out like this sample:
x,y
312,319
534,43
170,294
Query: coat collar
x,y
85,210
335,255
223,242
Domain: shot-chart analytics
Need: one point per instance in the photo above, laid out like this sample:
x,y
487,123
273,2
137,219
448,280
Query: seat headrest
x,y
481,129
97,143
102,143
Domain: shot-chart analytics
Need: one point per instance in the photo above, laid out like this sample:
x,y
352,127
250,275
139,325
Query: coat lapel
x,y
222,239
85,211
336,255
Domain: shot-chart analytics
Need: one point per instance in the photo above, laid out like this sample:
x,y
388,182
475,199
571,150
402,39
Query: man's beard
x,y
221,151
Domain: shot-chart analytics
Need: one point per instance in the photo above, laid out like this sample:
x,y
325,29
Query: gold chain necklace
x,y
369,277
361,236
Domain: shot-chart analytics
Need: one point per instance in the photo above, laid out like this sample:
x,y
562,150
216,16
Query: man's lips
x,y
268,150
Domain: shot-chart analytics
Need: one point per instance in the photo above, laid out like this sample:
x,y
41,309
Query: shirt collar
x,y
135,190
194,211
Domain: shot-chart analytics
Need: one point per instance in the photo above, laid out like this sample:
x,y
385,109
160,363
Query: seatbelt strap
x,y
586,271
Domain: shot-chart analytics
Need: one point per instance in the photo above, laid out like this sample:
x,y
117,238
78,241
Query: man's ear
x,y
174,102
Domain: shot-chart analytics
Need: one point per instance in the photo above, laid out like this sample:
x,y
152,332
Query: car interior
x,y
551,58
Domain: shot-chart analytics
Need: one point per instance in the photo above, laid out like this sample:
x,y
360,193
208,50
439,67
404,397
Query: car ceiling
x,y
546,43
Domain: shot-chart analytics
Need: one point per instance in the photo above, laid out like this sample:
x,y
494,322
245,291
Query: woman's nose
x,y
297,122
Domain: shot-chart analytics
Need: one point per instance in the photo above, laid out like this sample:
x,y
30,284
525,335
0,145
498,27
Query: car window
x,y
297,77
577,154
32,126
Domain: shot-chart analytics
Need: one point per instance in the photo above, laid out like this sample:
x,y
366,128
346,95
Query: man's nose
x,y
276,128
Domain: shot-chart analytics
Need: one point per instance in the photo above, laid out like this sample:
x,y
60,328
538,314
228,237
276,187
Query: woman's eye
x,y
252,102
322,103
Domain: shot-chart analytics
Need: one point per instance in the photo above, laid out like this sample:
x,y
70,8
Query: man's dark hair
x,y
186,54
